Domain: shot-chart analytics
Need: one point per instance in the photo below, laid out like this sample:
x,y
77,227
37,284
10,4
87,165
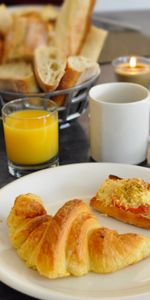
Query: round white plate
x,y
56,186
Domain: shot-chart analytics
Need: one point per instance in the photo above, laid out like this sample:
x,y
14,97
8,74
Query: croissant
x,y
72,242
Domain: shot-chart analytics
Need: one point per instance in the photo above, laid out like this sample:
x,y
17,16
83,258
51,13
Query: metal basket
x,y
75,99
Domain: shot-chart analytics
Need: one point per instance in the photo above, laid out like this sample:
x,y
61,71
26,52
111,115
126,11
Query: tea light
x,y
132,69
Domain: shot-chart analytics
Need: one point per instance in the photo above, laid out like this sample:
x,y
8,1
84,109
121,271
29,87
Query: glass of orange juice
x,y
31,134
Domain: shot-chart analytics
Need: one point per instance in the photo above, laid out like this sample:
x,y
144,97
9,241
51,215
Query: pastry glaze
x,y
133,197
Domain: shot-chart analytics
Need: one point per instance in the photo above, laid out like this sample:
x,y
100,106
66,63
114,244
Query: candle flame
x,y
132,62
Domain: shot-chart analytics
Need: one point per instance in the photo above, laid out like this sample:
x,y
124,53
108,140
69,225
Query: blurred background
x,y
101,5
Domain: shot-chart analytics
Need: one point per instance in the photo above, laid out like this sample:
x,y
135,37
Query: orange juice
x,y
31,136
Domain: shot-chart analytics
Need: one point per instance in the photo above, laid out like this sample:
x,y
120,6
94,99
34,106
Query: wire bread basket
x,y
76,99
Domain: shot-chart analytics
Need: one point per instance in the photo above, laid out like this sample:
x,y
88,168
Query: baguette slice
x,y
49,67
6,19
17,77
127,200
72,25
78,70
25,35
94,43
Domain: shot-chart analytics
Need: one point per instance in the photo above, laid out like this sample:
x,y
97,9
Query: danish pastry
x,y
127,200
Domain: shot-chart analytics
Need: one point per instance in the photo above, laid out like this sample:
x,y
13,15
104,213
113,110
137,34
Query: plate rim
x,y
55,295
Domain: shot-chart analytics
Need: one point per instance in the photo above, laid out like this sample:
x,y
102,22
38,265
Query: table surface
x,y
74,148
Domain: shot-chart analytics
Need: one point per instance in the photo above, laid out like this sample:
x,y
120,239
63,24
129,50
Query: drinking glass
x,y
31,134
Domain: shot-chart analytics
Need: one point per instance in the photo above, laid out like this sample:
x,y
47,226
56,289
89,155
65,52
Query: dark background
x,y
18,2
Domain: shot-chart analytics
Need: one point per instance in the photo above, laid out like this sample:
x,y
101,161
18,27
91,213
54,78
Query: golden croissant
x,y
72,242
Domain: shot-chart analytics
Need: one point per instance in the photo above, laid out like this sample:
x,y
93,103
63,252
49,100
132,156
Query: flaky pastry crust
x,y
72,242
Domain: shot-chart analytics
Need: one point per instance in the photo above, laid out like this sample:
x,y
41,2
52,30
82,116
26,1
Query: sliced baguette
x,y
27,11
78,70
5,19
94,42
49,67
37,35
14,41
17,77
72,25
25,35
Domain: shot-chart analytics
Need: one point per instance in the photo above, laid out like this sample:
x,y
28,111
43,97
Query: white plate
x,y
56,186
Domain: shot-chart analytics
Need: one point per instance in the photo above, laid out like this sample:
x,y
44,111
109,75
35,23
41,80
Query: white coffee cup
x,y
119,122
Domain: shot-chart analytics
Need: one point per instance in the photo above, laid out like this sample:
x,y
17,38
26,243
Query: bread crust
x,y
24,36
75,75
93,43
119,214
69,80
87,26
47,12
72,25
6,19
49,67
1,49
24,81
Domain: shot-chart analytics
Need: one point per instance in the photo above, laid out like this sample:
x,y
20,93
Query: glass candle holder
x,y
31,134
134,69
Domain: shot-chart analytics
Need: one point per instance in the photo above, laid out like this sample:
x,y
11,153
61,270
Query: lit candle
x,y
133,69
